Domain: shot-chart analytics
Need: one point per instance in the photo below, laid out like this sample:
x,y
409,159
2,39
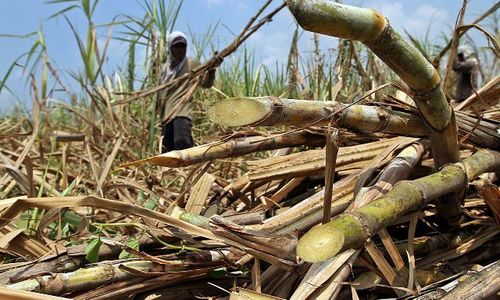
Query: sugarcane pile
x,y
396,199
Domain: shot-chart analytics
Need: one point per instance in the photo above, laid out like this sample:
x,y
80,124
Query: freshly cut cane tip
x,y
320,243
168,159
238,111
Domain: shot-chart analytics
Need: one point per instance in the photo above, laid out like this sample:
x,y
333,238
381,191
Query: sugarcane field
x,y
267,149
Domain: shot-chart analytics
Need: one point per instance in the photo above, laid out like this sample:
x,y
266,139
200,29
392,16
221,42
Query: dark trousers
x,y
177,134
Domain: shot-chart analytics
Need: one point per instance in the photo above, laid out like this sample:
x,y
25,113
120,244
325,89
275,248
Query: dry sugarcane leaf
x,y
331,151
21,178
244,294
269,247
308,212
478,285
59,202
194,290
279,282
199,193
109,162
486,97
319,273
468,245
5,239
124,289
385,268
28,246
11,294
312,161
491,195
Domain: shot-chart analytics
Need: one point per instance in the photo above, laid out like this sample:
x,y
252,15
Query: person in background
x,y
176,131
466,67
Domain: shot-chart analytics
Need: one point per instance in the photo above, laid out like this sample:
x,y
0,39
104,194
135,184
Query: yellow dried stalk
x,y
313,162
234,147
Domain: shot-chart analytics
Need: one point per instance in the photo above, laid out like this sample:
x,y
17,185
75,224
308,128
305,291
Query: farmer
x,y
176,128
466,67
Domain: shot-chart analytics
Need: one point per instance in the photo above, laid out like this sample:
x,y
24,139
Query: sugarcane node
x,y
434,109
277,109
384,117
55,286
340,20
414,185
320,243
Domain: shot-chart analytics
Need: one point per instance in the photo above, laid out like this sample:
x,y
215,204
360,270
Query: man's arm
x,y
464,66
208,79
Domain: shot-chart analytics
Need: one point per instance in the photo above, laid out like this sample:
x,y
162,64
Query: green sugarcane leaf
x,y
92,250
132,243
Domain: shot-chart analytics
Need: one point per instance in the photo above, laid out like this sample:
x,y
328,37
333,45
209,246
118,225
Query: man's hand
x,y
217,59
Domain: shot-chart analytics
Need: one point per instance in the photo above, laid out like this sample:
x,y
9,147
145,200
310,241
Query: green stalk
x,y
275,111
261,111
82,279
374,30
351,230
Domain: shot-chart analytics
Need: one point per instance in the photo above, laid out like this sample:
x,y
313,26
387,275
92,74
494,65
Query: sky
x,y
270,44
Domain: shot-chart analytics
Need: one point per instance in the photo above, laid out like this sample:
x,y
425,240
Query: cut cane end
x,y
238,111
320,243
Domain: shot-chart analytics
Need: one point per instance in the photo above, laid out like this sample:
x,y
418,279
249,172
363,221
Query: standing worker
x,y
176,131
466,67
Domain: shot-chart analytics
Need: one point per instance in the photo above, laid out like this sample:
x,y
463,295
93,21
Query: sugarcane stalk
x,y
374,30
313,162
64,263
478,285
399,168
308,212
351,230
406,61
263,111
234,147
82,279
